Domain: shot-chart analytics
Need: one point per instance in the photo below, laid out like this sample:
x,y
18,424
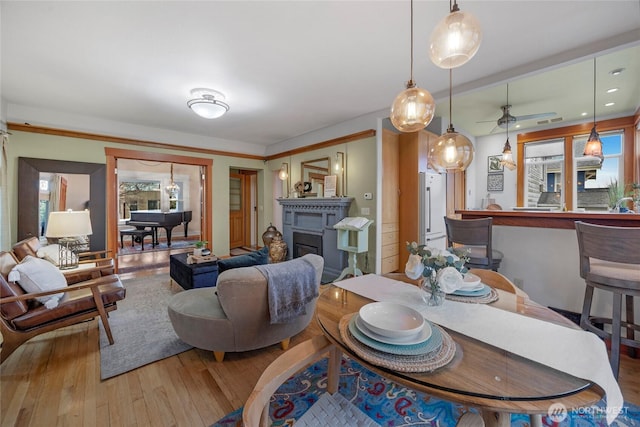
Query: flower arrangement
x,y
442,269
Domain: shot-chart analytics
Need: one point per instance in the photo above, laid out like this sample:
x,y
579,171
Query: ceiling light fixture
x,y
208,103
413,108
616,72
172,188
456,38
507,155
452,151
593,147
613,89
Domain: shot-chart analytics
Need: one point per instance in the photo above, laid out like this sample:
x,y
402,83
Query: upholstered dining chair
x,y
610,261
475,235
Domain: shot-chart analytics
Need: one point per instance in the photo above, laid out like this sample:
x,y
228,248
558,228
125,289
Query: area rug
x,y
141,327
162,246
390,404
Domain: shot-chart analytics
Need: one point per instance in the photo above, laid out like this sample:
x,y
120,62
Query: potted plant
x,y
200,245
616,192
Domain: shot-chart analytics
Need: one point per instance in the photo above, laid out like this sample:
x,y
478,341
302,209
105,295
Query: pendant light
x,y
451,152
413,108
507,155
456,38
172,188
593,146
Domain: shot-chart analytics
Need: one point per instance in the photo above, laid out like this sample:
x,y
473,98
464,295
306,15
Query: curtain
x,y
5,214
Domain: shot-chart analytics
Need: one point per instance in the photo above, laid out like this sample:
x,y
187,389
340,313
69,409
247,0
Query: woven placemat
x,y
485,299
426,362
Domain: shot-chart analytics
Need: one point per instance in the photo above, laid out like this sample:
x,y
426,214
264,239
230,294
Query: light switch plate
x,y
365,211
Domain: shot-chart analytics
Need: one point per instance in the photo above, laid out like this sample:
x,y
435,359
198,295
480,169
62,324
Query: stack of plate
x,y
472,287
394,328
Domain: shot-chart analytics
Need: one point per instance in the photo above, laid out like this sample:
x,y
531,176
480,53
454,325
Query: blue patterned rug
x,y
390,404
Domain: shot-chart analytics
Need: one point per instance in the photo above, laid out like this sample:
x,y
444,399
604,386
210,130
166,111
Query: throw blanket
x,y
291,285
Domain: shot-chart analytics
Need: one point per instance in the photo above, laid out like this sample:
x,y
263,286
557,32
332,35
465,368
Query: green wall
x,y
26,144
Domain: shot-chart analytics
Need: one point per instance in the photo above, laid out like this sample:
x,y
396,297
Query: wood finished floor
x,y
54,379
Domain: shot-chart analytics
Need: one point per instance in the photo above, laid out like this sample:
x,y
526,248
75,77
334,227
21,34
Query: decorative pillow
x,y
37,275
254,258
52,254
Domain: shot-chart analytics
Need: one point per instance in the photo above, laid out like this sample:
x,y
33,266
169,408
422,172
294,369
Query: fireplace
x,y
306,243
307,227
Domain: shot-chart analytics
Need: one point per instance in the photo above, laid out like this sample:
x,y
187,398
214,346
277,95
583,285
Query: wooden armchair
x,y
22,317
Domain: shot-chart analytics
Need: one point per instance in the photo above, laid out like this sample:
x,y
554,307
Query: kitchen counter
x,y
552,219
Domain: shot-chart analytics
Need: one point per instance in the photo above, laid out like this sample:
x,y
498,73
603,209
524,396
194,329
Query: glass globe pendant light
x,y
456,38
413,108
451,152
507,155
594,144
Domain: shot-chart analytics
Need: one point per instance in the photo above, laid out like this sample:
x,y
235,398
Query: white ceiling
x,y
291,67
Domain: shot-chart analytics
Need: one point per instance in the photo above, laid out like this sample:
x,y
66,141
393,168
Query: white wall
x,y
486,146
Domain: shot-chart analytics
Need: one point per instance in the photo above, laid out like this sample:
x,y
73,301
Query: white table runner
x,y
543,342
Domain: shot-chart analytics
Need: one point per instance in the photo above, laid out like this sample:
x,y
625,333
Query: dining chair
x,y
610,261
474,235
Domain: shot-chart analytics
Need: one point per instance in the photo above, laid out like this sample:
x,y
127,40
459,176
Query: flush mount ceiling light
x,y
455,39
452,151
207,103
414,107
594,144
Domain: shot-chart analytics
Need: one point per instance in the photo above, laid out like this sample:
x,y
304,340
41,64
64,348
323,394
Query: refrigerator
x,y
432,203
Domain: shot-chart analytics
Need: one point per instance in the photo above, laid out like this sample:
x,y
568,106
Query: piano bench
x,y
137,236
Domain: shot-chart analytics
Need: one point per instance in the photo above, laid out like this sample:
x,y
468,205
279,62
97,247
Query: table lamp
x,y
66,226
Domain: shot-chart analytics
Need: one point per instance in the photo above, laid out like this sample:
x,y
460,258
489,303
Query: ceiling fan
x,y
507,117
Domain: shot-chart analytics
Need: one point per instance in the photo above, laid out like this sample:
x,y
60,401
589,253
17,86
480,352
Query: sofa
x,y
235,316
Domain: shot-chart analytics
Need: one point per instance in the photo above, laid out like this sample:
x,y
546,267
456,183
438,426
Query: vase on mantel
x,y
431,292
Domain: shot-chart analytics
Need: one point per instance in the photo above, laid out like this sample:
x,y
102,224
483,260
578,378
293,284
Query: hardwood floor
x,y
54,379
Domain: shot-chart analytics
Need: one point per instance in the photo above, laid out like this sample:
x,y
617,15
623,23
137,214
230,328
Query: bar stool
x,y
476,236
610,260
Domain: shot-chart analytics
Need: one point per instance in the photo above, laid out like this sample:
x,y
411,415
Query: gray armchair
x,y
234,316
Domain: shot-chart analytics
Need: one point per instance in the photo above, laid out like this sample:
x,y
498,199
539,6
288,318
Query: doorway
x,y
242,209
113,205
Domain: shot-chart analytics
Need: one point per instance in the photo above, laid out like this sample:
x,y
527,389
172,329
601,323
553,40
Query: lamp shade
x,y
208,103
68,224
507,157
455,40
413,109
451,152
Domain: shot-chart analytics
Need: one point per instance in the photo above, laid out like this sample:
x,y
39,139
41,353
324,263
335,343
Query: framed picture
x,y
330,185
494,165
495,182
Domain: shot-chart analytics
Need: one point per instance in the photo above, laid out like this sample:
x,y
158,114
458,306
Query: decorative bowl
x,y
391,319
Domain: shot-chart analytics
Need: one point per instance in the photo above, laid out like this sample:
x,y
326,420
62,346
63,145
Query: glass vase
x,y
432,295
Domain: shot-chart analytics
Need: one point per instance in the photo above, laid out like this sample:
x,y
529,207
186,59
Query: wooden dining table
x,y
494,380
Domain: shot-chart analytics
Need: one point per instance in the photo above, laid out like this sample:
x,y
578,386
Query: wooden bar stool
x,y
610,260
476,236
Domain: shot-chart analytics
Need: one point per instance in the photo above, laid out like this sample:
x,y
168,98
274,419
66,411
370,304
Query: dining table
x,y
496,380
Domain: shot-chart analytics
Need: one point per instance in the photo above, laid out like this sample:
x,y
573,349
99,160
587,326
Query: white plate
x,y
483,291
420,337
391,319
471,282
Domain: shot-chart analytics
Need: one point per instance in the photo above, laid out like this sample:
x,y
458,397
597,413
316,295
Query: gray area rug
x,y
141,327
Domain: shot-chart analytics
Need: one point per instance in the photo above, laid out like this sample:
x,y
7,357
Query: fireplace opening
x,y
306,243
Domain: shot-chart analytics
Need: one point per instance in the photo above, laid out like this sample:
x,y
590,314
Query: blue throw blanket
x,y
290,286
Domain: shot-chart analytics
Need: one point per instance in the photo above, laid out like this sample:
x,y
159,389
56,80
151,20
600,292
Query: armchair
x,y
235,315
22,317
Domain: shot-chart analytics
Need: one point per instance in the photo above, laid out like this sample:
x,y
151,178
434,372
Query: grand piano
x,y
166,220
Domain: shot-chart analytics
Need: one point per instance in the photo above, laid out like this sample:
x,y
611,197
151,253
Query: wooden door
x,y
62,194
236,210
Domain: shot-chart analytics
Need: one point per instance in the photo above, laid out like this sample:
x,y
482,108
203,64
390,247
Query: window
x,y
544,171
593,177
555,174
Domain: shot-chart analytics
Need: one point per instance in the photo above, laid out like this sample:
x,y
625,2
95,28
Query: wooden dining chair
x,y
256,409
610,261
474,235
